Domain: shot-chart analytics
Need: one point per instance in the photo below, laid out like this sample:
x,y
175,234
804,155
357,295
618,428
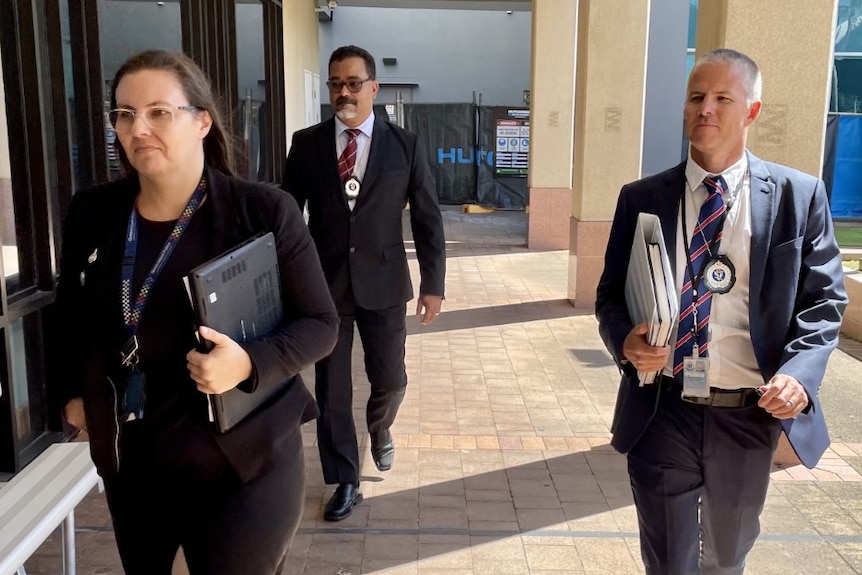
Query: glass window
x,y
127,27
847,85
251,89
16,230
846,93
692,25
848,26
28,394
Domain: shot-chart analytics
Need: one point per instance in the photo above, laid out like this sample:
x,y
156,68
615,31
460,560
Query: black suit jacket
x,y
796,291
364,250
237,210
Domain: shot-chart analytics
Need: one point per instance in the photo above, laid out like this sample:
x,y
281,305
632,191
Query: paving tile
x,y
551,558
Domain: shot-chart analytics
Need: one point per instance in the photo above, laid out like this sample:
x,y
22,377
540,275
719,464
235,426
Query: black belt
x,y
717,397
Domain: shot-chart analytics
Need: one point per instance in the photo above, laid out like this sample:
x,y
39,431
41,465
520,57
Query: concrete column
x,y
300,54
609,112
551,123
792,42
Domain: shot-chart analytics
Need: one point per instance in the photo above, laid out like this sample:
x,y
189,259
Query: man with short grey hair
x,y
759,276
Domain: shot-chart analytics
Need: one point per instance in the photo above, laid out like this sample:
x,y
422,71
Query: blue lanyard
x,y
132,312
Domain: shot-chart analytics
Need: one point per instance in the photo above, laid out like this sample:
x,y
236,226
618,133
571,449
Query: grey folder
x,y
238,294
651,295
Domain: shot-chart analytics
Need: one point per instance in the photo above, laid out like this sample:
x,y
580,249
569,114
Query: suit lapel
x,y
329,152
376,156
668,209
763,206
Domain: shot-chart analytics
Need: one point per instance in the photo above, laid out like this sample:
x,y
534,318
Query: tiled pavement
x,y
503,464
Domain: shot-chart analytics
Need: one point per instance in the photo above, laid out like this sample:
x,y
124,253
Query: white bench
x,y
41,497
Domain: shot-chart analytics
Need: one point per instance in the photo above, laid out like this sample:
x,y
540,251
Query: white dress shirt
x,y
732,363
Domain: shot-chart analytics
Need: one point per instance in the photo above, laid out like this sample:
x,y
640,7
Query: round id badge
x,y
351,188
719,275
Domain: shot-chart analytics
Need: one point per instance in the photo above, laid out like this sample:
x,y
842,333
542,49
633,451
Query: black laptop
x,y
238,294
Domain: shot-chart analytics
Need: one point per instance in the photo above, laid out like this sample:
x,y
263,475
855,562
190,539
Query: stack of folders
x,y
651,295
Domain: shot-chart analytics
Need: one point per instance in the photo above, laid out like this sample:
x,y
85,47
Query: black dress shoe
x,y
340,505
382,450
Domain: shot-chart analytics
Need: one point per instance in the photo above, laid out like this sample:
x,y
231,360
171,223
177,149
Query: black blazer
x,y
364,249
796,291
237,210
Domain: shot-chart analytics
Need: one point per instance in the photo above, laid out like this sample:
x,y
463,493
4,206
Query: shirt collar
x,y
733,175
365,127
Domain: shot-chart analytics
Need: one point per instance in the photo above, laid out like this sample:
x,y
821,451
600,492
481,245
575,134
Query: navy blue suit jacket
x,y
796,300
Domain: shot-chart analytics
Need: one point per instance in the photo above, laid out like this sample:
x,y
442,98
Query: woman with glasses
x,y
130,374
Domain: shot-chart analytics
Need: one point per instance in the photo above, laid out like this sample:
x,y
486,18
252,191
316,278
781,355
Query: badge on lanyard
x,y
695,376
351,188
719,275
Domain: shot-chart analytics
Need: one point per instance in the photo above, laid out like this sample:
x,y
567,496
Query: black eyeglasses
x,y
156,117
354,86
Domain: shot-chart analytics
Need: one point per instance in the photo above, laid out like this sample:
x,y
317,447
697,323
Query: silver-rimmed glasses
x,y
157,117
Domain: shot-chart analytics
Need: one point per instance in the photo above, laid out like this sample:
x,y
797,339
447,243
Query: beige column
x,y
609,110
793,46
300,54
791,41
552,107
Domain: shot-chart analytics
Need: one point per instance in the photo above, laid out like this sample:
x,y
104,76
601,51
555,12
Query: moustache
x,y
342,100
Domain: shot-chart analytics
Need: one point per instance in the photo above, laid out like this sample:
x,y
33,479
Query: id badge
x,y
694,376
135,395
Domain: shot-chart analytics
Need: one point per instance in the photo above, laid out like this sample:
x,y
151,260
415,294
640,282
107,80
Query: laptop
x,y
238,294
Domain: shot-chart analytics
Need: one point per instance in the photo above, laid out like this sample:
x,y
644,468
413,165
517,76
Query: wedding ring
x,y
789,403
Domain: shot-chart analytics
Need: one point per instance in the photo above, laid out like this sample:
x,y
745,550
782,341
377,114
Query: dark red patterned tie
x,y
347,161
706,233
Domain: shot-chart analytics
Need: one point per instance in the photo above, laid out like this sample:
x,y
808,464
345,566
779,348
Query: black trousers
x,y
383,334
699,476
225,527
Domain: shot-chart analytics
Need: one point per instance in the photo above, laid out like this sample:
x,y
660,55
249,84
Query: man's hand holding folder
x,y
651,298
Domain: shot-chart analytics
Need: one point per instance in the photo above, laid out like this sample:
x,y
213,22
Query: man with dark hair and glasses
x,y
356,173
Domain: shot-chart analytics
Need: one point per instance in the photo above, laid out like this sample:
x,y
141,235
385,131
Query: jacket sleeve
x,y
292,179
820,298
66,317
611,311
426,223
310,327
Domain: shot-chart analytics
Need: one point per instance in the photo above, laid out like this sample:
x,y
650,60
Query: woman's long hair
x,y
219,145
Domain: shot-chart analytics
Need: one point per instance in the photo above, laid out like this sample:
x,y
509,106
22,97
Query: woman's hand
x,y
223,368
75,415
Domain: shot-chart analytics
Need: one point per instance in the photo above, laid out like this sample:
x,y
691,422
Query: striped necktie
x,y
347,161
696,300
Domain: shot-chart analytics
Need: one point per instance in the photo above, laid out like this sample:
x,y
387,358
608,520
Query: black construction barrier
x,y
478,154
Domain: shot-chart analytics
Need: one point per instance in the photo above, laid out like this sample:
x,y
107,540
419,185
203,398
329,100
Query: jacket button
x,y
352,249
352,219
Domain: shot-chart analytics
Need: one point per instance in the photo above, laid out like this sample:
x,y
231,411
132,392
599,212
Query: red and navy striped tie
x,y
695,301
348,157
